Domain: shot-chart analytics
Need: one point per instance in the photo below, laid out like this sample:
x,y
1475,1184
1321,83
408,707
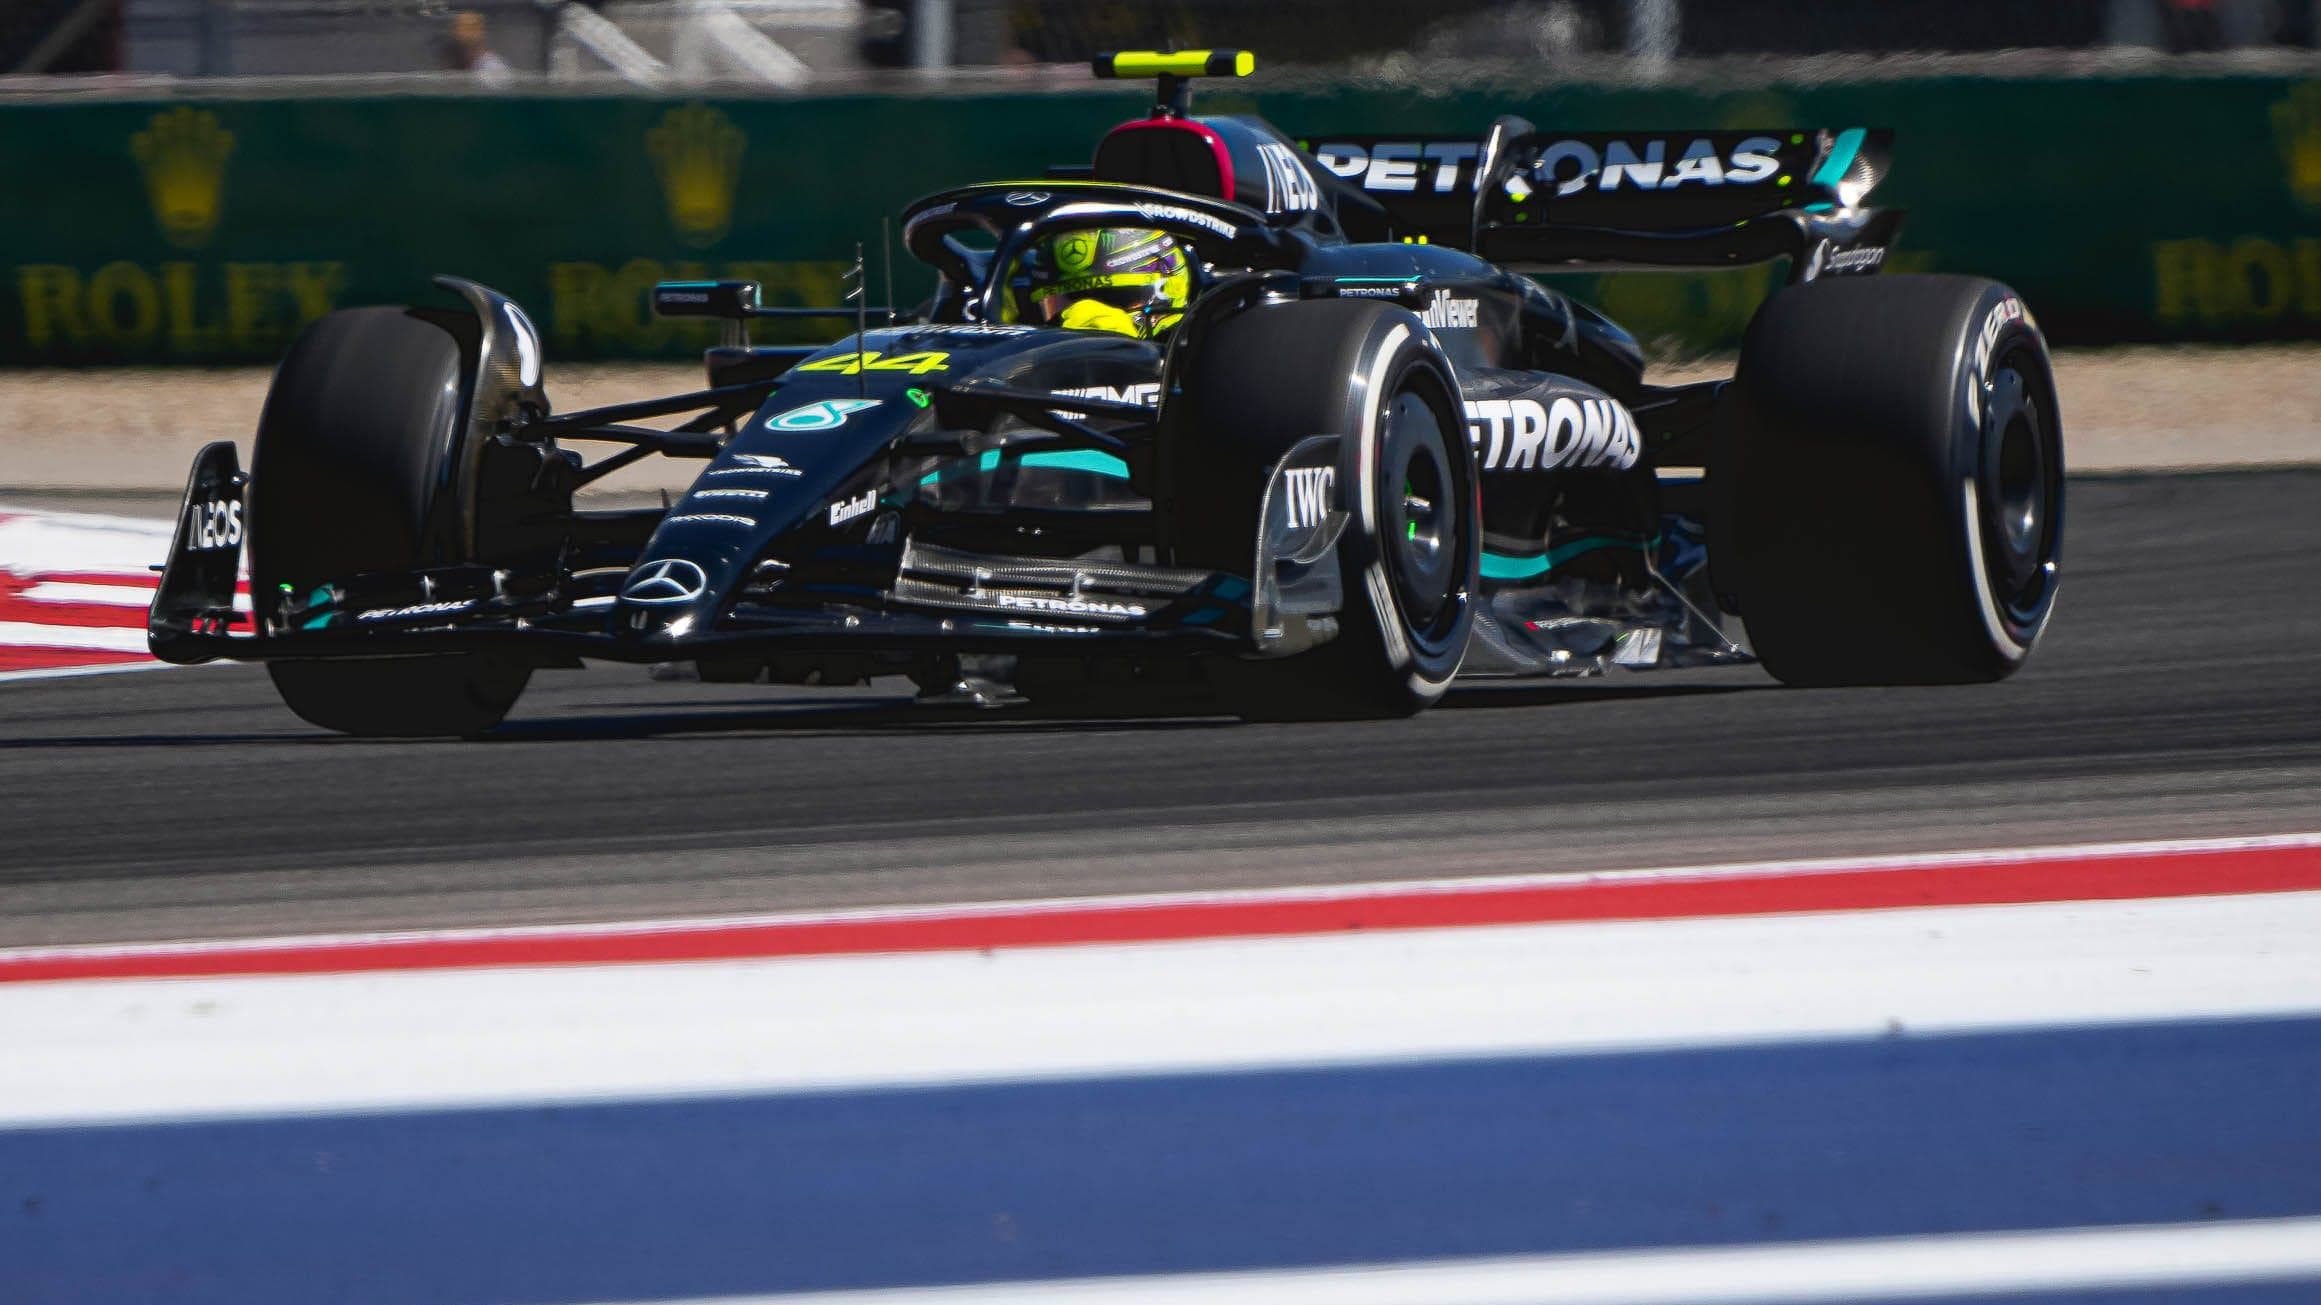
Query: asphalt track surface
x,y
2178,693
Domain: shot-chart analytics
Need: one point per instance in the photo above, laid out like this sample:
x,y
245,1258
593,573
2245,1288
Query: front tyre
x,y
458,695
1893,467
1254,384
356,470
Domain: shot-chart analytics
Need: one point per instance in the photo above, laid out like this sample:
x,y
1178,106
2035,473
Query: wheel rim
x,y
2020,506
1422,518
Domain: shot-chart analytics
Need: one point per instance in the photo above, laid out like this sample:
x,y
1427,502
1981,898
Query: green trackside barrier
x,y
208,231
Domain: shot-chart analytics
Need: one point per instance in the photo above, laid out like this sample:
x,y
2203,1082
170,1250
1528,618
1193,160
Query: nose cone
x,y
662,598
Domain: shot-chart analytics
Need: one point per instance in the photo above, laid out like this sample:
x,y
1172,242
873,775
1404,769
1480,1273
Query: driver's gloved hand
x,y
1093,315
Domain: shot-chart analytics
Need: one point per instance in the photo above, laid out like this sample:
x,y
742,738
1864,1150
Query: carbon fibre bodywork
x,y
959,484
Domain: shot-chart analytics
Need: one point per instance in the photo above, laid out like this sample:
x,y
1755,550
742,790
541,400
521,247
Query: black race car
x,y
1362,457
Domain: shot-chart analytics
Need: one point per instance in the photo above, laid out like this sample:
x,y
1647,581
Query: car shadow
x,y
859,716
36,743
875,716
891,716
1568,693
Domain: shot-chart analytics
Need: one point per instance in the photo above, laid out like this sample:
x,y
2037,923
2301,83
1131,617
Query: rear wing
x,y
1551,200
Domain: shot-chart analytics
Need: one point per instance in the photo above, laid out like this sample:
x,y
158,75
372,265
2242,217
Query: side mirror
x,y
731,300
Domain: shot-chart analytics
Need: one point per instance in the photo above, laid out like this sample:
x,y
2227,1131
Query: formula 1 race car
x,y
1280,426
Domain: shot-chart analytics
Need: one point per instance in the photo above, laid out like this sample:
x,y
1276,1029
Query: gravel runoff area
x,y
128,434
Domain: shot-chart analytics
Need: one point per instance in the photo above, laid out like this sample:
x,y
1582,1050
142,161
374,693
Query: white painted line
x,y
98,638
34,542
1880,1269
106,521
1310,893
125,594
128,1049
75,672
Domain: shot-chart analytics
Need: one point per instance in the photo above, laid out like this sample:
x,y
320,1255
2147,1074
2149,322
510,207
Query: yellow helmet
x,y
1127,279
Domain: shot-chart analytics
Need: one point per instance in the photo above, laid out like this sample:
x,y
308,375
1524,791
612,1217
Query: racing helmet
x,y
1130,280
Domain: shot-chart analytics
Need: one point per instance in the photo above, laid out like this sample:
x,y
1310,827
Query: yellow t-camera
x,y
1180,63
1175,69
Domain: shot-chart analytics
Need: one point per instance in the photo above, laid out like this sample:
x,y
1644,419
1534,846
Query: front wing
x,y
933,600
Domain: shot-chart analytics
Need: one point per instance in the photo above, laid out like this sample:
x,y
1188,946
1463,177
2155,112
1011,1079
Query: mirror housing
x,y
731,300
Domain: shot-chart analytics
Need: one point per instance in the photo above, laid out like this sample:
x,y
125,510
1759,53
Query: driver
x,y
1127,280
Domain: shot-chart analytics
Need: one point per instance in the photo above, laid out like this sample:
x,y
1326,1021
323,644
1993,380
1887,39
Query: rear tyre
x,y
1256,383
357,469
1892,477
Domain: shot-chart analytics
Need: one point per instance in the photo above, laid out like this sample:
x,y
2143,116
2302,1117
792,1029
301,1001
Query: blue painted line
x,y
2163,1123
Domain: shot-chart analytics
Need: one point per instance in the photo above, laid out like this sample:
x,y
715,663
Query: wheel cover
x,y
2019,503
1425,517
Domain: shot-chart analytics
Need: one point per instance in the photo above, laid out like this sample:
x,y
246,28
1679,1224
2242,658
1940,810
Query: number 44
x,y
850,364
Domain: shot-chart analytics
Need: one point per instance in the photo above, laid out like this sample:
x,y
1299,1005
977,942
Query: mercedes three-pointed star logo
x,y
670,580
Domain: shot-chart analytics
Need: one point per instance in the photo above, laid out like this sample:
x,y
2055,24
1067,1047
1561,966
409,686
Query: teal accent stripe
x,y
1499,566
1563,553
1375,280
1503,566
1841,157
1088,460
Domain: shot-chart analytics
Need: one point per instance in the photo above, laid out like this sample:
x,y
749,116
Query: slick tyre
x,y
357,470
1889,474
1256,383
